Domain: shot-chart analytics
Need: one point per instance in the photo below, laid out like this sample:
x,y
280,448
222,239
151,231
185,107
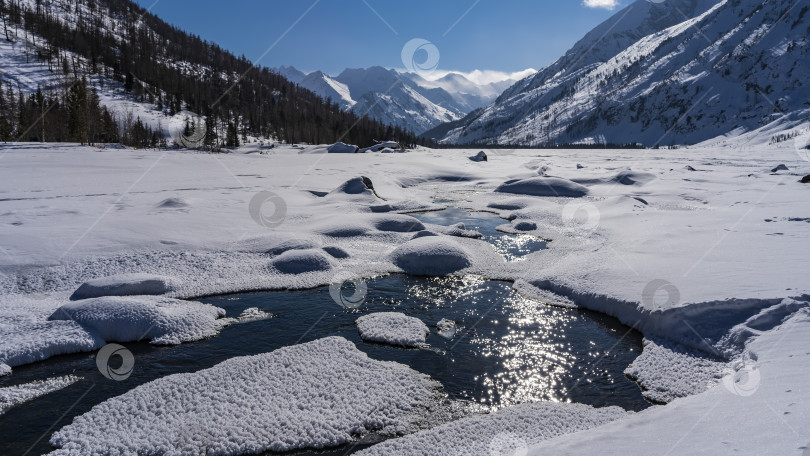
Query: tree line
x,y
163,65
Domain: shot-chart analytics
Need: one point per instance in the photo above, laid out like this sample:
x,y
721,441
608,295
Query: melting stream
x,y
506,349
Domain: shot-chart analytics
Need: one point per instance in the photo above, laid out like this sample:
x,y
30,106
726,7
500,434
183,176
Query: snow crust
x,y
706,263
11,396
314,395
507,432
342,148
392,328
127,319
126,285
300,261
431,255
543,186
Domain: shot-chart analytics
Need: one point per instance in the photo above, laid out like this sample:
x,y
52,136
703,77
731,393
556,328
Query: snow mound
x,y
127,319
626,177
510,431
633,178
431,255
479,157
392,328
666,370
126,285
253,314
300,261
525,226
291,244
11,396
174,202
342,148
314,395
543,186
447,328
356,186
391,145
343,228
336,252
424,233
397,223
5,369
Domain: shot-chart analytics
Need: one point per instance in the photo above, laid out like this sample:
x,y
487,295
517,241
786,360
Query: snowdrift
x,y
314,395
392,328
431,255
128,319
126,285
543,186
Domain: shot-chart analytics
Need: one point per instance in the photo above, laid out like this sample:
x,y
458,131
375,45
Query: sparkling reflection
x,y
513,247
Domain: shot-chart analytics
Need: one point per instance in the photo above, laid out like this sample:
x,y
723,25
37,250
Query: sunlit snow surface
x,y
704,254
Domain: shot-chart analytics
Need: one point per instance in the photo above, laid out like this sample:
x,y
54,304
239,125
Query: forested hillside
x,y
87,42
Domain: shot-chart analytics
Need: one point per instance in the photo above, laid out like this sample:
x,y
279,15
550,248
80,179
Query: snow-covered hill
x,y
403,99
660,73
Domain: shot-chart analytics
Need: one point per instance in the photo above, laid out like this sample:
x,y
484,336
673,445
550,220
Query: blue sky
x,y
501,35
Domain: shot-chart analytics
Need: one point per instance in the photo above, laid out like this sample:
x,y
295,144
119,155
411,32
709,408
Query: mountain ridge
x,y
400,98
694,80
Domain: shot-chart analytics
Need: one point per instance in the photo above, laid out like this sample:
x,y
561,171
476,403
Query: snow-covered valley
x,y
702,250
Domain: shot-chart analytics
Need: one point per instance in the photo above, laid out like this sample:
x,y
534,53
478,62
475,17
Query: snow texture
x,y
12,396
667,370
341,148
161,320
543,186
507,432
712,260
301,261
431,256
392,328
315,395
126,285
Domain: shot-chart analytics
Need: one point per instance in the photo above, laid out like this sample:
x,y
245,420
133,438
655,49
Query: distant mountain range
x,y
660,73
401,99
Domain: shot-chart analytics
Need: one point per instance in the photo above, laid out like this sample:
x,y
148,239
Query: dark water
x,y
512,247
506,349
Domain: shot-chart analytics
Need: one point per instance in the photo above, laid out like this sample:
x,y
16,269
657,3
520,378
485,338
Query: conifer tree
x,y
77,111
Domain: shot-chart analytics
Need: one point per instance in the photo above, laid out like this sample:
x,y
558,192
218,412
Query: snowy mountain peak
x,y
402,99
683,71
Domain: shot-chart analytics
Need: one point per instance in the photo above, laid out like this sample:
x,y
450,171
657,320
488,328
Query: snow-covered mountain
x,y
402,99
671,72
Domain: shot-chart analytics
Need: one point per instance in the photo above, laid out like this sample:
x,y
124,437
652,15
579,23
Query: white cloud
x,y
484,76
604,4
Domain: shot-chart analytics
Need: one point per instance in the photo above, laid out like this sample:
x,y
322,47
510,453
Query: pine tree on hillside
x,y
77,109
232,136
